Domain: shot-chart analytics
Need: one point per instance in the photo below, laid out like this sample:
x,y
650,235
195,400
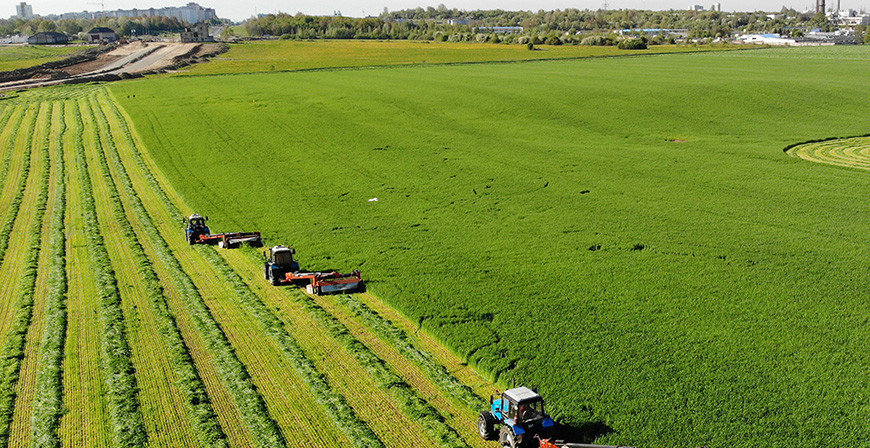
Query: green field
x,y
624,233
283,55
15,57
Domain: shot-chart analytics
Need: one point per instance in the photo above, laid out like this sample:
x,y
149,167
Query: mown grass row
x,y
5,117
13,347
360,434
48,399
15,205
187,377
250,403
119,375
357,430
399,339
412,404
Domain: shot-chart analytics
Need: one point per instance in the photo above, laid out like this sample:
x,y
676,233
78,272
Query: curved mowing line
x,y
852,152
188,380
250,402
13,348
48,398
118,373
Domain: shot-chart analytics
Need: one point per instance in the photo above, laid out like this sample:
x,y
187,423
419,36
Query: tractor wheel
x,y
266,272
486,425
506,437
275,280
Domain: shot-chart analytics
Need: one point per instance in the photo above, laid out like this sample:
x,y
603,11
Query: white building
x,y
768,39
24,11
696,8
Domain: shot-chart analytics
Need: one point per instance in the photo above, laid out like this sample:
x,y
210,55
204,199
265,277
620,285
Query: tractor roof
x,y
519,394
281,249
194,216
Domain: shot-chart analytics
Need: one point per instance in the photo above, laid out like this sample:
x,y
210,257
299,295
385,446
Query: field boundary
x,y
463,63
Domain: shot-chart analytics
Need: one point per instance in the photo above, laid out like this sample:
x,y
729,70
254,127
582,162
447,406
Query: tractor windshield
x,y
530,410
283,258
197,222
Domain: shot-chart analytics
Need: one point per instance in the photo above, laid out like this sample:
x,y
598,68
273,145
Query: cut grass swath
x,y
344,416
15,204
119,375
48,400
234,374
13,346
85,421
399,339
413,405
188,380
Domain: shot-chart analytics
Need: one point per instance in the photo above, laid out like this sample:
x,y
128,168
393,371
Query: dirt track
x,y
135,57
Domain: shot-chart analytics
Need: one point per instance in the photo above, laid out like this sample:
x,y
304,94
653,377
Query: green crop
x,y
624,233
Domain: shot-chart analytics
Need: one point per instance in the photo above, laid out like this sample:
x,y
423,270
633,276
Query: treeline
x,y
124,26
701,23
338,27
570,26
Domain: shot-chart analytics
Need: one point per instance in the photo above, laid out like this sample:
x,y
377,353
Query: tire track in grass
x,y
169,383
128,429
48,390
85,422
296,415
46,274
234,373
17,327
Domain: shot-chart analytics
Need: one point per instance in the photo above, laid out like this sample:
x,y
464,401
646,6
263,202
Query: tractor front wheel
x,y
506,437
486,425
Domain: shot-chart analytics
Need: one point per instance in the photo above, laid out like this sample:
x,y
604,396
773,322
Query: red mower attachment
x,y
327,282
547,443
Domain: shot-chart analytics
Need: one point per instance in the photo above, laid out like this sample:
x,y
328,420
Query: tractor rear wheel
x,y
506,437
275,280
486,425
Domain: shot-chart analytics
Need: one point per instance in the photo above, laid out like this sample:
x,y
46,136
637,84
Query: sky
x,y
239,10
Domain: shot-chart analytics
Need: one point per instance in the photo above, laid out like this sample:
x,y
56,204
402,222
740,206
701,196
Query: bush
x,y
530,46
632,44
553,40
596,41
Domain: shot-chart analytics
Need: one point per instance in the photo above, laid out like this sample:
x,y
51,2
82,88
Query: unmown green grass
x,y
15,57
282,55
724,302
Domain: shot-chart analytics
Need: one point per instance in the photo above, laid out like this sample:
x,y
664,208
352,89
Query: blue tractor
x,y
520,413
195,227
277,262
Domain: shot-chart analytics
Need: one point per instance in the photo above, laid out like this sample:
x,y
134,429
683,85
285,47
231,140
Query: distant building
x,y
199,33
768,39
500,29
47,38
716,7
24,11
190,13
101,35
696,8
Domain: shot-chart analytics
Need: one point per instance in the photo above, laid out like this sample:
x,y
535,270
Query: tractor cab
x,y
278,261
520,412
194,227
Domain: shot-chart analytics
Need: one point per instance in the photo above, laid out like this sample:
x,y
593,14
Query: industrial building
x,y
102,35
48,38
